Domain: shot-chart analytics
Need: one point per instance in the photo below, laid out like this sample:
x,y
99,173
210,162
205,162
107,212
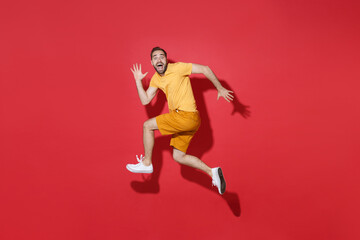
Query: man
x,y
183,119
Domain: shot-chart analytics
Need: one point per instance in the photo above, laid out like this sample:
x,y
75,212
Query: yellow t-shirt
x,y
176,86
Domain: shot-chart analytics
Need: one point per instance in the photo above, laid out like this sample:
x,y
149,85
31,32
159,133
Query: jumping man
x,y
183,120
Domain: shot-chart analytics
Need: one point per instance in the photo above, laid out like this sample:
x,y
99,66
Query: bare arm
x,y
149,94
209,74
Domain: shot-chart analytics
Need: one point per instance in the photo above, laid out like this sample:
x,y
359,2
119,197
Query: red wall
x,y
70,120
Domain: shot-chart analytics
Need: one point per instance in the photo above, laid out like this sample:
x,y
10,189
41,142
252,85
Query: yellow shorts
x,y
182,125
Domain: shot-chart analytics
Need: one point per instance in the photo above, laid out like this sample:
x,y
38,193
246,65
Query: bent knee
x,y
149,125
146,125
178,157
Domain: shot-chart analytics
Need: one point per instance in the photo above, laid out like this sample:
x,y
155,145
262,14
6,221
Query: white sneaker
x,y
218,179
140,167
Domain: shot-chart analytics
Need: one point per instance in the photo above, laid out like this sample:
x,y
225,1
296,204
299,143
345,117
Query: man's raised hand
x,y
226,94
136,70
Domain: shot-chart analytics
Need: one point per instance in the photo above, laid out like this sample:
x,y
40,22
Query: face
x,y
159,61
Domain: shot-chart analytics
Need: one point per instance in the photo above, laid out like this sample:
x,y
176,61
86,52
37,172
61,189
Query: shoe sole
x,y
149,171
222,181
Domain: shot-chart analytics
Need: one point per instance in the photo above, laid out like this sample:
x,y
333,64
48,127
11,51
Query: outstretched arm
x,y
149,94
209,74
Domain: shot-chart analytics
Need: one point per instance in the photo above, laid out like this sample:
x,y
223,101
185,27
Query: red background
x,y
71,120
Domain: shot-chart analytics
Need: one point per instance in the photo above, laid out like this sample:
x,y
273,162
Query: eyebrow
x,y
158,54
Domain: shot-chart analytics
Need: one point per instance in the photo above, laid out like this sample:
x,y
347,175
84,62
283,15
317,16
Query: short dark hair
x,y
156,49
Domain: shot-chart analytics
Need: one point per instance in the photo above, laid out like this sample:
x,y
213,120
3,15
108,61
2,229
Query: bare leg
x,y
191,161
148,138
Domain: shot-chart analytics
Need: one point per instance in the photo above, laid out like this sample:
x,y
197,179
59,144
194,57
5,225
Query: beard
x,y
163,70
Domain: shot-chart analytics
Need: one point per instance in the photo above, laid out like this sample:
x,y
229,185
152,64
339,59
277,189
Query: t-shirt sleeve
x,y
153,83
184,68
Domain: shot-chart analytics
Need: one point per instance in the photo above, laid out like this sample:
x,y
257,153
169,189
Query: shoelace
x,y
140,159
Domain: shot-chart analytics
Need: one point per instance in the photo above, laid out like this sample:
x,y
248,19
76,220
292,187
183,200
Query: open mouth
x,y
160,66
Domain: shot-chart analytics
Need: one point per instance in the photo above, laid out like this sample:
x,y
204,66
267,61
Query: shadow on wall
x,y
201,143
